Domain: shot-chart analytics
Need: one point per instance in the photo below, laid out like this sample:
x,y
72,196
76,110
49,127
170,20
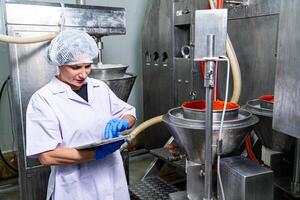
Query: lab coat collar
x,y
60,87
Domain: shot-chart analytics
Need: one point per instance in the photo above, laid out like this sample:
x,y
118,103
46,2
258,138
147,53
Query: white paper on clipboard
x,y
102,142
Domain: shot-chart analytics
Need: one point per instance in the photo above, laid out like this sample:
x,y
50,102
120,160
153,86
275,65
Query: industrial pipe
x,y
28,40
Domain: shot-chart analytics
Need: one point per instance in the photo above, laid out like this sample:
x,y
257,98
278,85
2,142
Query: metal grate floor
x,y
151,188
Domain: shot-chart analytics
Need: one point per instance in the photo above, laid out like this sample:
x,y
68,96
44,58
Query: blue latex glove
x,y
107,149
114,126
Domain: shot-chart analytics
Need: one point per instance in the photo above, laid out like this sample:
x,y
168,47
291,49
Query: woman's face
x,y
74,75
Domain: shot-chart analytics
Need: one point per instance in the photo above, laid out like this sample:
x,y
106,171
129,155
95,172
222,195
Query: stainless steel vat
x,y
116,78
269,137
190,133
191,111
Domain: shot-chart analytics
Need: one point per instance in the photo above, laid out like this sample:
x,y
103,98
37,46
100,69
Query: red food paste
x,y
267,98
217,105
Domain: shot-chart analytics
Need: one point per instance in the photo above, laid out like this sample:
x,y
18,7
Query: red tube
x,y
220,4
249,149
202,66
216,83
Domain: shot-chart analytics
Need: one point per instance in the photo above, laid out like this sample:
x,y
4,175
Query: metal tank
x,y
189,128
269,137
116,78
189,132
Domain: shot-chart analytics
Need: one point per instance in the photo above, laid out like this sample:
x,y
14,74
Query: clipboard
x,y
102,142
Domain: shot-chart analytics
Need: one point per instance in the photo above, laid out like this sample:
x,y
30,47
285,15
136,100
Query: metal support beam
x,y
209,85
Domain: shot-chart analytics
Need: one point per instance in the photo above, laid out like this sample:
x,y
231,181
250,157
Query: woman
x,y
73,110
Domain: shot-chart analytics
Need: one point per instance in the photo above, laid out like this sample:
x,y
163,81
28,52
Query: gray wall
x,y
124,49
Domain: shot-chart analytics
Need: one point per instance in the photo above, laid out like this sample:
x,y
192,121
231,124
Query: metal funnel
x,y
270,138
190,133
116,78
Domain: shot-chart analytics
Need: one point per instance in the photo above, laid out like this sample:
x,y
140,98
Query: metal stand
x,y
209,85
295,185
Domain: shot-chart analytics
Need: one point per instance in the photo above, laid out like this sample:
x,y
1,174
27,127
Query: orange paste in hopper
x,y
217,105
267,98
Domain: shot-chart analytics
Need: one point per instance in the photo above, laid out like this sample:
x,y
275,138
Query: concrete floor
x,y
137,167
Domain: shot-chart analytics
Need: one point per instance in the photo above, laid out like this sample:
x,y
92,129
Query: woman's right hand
x,y
114,126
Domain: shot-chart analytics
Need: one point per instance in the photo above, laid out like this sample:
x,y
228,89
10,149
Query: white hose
x,y
141,127
236,73
221,127
28,40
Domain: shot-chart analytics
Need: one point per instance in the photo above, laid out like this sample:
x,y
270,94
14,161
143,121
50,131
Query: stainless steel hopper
x,y
270,138
189,133
116,78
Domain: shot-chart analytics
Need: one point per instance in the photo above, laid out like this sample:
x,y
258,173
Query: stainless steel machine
x,y
258,30
30,70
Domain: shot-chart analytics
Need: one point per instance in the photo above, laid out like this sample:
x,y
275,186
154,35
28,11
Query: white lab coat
x,y
58,117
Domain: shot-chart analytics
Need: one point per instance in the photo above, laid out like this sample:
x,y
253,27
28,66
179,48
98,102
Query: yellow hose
x,y
28,40
141,127
236,73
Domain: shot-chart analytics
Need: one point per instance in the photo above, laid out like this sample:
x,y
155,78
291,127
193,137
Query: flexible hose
x,y
236,73
28,40
141,127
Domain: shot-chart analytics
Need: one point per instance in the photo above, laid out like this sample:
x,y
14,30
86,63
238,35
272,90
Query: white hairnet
x,y
72,47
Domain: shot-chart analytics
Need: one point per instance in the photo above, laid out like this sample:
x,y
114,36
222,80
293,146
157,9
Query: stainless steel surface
x,y
254,37
121,86
210,22
108,71
156,162
31,71
243,179
151,188
28,61
284,184
255,8
176,80
195,181
295,185
265,104
100,50
116,78
185,51
287,85
81,2
158,85
190,113
190,134
93,19
209,83
181,195
269,137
